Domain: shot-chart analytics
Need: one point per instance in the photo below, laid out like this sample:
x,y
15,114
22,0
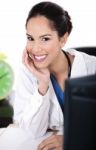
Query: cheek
x,y
28,46
54,52
51,47
54,49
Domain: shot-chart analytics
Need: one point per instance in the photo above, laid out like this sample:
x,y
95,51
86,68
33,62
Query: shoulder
x,y
83,62
85,56
89,59
90,62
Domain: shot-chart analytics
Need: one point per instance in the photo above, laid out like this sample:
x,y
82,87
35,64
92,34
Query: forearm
x,y
34,115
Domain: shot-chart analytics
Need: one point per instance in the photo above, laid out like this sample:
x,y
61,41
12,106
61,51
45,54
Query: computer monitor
x,y
80,113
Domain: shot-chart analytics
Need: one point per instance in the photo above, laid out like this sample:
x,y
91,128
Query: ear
x,y
63,39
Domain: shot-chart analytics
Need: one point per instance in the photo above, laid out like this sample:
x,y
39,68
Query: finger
x,y
50,146
30,65
49,142
50,139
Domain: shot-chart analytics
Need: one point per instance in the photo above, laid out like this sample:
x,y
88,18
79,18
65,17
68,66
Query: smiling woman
x,y
39,95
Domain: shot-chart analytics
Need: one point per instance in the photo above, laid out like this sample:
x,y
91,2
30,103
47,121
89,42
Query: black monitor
x,y
80,113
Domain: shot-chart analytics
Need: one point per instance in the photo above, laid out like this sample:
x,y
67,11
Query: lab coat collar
x,y
79,66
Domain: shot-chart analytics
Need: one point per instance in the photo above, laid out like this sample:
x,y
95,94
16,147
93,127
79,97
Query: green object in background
x,y
6,79
6,84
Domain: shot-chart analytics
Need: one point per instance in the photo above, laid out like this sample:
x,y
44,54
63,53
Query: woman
x,y
45,63
39,102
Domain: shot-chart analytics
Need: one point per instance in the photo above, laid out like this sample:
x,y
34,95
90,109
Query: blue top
x,y
58,91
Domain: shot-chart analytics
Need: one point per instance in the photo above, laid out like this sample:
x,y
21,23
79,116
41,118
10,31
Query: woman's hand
x,y
55,142
43,75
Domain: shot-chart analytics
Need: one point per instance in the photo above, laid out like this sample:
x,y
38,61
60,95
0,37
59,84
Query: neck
x,y
60,69
59,66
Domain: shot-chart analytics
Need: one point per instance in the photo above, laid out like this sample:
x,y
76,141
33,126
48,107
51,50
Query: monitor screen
x,y
80,113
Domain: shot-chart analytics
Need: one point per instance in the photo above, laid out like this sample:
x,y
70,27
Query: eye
x,y
29,38
45,39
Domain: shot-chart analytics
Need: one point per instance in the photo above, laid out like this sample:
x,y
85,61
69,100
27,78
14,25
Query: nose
x,y
34,47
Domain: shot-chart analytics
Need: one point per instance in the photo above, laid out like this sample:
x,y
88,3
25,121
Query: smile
x,y
41,57
38,58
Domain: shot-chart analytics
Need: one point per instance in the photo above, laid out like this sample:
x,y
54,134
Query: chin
x,y
40,66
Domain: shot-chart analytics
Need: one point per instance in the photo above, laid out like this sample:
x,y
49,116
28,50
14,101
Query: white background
x,y
13,14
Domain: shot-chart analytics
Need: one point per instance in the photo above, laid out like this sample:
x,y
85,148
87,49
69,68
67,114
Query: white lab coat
x,y
35,113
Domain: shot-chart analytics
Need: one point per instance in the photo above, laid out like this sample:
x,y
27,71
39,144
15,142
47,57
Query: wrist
x,y
43,91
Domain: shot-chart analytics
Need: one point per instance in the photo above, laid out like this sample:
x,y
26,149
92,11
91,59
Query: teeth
x,y
40,57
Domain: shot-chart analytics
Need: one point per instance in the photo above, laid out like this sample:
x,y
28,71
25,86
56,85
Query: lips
x,y
38,58
41,57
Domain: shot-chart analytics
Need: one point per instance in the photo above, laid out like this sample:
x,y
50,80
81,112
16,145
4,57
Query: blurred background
x,y
13,14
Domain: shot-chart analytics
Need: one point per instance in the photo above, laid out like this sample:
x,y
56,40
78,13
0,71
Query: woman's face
x,y
43,43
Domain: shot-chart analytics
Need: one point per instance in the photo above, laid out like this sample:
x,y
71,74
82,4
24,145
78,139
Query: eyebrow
x,y
40,36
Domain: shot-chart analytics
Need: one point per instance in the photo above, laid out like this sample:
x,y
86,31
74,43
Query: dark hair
x,y
59,18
